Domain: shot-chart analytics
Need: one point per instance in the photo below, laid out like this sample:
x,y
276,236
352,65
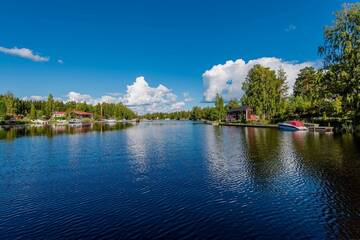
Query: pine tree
x,y
32,114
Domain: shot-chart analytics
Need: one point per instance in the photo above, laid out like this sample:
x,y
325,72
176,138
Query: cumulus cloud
x,y
140,93
24,53
177,106
60,61
108,99
86,98
226,79
78,97
139,96
143,98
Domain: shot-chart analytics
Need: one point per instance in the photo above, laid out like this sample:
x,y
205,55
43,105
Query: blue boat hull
x,y
288,127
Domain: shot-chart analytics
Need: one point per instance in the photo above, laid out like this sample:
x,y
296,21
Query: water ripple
x,y
176,180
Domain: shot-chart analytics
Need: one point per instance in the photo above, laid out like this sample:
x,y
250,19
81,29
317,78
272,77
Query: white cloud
x,y
187,97
140,93
79,98
108,99
139,96
290,28
143,98
114,94
60,61
24,53
35,98
226,79
178,106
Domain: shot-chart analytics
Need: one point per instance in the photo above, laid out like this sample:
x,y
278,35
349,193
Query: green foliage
x,y
40,114
220,111
182,115
341,52
216,113
8,99
49,106
283,87
10,105
2,108
196,114
32,114
306,83
264,91
337,106
233,103
108,110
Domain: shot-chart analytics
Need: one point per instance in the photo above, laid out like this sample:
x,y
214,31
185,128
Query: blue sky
x,y
105,45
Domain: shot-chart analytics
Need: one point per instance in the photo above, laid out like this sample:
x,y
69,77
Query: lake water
x,y
177,180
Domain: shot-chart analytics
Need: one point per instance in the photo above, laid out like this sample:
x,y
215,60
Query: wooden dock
x,y
310,126
321,129
316,128
249,125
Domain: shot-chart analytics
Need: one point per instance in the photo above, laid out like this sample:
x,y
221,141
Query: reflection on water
x,y
285,176
178,180
226,156
334,164
12,132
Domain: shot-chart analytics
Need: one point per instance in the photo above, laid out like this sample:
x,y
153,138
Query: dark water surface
x,y
178,180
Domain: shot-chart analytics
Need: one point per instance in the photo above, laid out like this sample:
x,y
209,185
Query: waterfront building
x,y
243,113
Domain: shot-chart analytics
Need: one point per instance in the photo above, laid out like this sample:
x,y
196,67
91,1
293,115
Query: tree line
x,y
216,113
11,106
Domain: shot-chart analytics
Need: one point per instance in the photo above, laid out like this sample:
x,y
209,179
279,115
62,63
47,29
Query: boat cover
x,y
297,123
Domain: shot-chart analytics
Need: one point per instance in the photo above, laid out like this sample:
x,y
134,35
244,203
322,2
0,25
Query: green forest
x,y
12,106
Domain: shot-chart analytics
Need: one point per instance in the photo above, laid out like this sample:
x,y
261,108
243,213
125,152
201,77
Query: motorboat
x,y
61,122
39,122
110,121
75,122
293,126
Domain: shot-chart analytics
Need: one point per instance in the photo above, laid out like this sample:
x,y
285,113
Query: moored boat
x,y
39,122
293,126
110,121
75,121
61,122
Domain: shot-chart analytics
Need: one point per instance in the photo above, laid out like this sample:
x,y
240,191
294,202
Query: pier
x,y
311,126
248,125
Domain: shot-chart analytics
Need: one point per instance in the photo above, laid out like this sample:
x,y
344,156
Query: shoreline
x,y
248,125
229,124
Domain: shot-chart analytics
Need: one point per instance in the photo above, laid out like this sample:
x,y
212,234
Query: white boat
x,y
110,121
61,122
39,122
293,126
75,121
